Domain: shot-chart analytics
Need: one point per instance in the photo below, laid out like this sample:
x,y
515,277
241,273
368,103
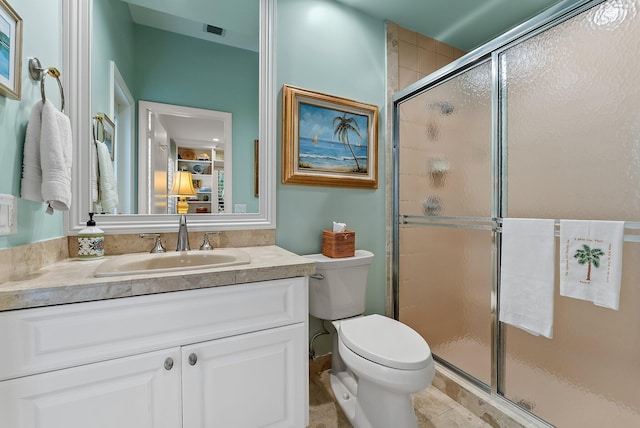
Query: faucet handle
x,y
157,247
206,245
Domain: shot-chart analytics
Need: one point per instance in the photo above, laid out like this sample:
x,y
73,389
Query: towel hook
x,y
38,73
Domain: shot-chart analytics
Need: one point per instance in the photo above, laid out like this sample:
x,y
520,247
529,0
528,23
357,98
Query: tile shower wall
x,y
410,57
419,56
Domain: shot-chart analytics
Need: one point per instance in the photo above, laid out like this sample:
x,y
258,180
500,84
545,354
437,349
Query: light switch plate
x,y
8,215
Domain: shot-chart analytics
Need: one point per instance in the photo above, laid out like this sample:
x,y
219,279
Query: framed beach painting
x,y
10,51
328,140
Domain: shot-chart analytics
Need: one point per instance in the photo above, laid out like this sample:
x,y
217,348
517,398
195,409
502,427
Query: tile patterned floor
x,y
434,408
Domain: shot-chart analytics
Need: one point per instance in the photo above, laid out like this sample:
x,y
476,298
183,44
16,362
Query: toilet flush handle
x,y
317,276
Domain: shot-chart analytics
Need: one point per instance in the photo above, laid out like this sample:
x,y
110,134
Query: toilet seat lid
x,y
385,341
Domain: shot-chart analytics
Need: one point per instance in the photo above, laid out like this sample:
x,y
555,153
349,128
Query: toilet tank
x,y
338,289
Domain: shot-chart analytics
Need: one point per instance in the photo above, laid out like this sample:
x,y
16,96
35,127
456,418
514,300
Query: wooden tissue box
x,y
338,244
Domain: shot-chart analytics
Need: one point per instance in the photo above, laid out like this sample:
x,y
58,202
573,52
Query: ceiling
x,y
237,18
464,24
199,131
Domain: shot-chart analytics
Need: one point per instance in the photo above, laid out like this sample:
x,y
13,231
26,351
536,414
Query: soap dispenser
x,y
90,241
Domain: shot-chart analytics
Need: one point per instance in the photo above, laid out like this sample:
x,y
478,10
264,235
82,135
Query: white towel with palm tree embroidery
x,y
591,255
527,274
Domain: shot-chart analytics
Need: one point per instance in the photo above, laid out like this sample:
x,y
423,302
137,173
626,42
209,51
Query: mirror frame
x,y
77,78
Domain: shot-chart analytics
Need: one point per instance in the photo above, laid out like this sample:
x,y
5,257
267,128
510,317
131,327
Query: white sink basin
x,y
139,263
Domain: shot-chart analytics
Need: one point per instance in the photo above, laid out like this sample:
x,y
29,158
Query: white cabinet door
x,y
247,381
136,391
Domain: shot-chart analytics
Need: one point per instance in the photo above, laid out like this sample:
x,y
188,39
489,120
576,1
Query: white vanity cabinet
x,y
134,391
249,380
229,356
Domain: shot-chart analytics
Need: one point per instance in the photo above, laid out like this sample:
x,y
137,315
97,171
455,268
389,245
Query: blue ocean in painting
x,y
331,155
4,62
5,48
320,149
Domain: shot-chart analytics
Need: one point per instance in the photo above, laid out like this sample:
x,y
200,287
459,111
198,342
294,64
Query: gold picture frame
x,y
10,51
106,132
328,140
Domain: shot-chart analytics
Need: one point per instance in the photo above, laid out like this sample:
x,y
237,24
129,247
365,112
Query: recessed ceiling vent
x,y
214,30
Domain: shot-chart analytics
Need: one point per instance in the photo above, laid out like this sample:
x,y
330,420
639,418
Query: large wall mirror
x,y
180,64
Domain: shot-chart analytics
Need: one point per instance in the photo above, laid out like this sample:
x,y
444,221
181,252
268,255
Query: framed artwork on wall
x,y
10,51
106,132
328,140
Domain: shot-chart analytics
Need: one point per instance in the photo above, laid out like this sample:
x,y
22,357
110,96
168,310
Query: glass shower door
x,y
572,144
445,193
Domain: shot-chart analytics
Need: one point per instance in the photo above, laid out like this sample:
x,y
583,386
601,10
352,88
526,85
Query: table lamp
x,y
182,188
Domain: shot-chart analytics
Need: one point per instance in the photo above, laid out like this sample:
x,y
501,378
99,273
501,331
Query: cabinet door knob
x,y
168,363
193,359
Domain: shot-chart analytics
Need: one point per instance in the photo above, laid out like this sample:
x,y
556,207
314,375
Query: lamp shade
x,y
182,184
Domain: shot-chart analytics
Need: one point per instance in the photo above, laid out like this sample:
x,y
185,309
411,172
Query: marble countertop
x,y
72,280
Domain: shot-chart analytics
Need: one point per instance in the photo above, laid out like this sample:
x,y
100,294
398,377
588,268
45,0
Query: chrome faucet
x,y
157,246
206,245
183,235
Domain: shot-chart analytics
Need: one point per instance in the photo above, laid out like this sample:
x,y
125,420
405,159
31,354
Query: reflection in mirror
x,y
113,48
176,138
144,50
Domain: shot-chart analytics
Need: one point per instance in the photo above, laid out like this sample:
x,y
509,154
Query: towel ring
x,y
38,73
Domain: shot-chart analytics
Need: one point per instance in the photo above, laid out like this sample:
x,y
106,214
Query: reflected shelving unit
x,y
207,168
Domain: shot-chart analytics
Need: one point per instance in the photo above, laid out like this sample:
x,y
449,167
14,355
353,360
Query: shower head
x,y
445,107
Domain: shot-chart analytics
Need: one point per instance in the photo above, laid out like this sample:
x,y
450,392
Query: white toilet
x,y
377,362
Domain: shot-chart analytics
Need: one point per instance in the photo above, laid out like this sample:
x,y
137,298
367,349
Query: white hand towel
x,y
55,157
106,178
31,183
591,254
527,274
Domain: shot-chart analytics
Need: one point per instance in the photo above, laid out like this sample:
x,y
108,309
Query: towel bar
x,y
38,73
490,223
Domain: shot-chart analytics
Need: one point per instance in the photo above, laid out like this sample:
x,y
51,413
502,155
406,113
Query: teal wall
x,y
112,35
329,48
41,38
209,76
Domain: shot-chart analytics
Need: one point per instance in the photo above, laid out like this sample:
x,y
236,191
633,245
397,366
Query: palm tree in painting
x,y
589,256
344,125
